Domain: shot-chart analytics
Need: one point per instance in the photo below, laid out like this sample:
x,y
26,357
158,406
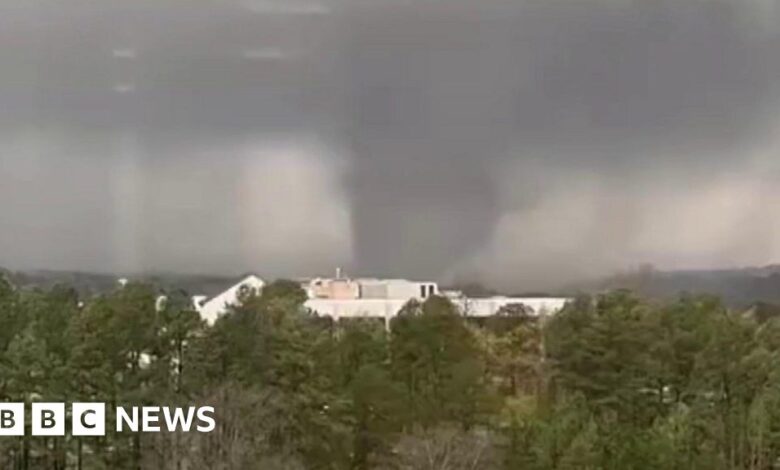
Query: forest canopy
x,y
613,381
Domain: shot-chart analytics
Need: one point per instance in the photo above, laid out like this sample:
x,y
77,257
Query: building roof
x,y
214,307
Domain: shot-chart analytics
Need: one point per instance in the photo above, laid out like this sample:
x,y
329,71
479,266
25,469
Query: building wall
x,y
373,289
485,307
344,289
402,289
334,289
388,308
319,288
356,308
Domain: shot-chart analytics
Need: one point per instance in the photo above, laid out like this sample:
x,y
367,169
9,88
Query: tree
x,y
270,348
436,358
374,402
599,348
114,341
514,349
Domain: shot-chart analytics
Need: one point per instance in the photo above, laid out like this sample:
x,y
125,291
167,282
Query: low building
x,y
373,298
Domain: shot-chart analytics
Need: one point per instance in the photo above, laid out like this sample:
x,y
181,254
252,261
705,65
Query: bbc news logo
x,y
89,419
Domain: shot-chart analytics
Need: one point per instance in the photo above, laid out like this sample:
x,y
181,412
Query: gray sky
x,y
522,142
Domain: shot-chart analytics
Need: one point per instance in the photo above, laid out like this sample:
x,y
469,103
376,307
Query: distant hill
x,y
737,287
89,284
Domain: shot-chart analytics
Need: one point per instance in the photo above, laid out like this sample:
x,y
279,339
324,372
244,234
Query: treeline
x,y
611,382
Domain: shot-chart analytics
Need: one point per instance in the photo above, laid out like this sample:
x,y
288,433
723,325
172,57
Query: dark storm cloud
x,y
525,142
448,98
156,128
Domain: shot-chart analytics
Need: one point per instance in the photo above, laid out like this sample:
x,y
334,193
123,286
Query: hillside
x,y
89,283
737,287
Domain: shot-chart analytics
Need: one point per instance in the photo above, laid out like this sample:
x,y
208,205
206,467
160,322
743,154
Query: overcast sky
x,y
525,143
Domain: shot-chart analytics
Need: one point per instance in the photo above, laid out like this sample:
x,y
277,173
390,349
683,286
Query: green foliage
x,y
686,385
611,382
436,358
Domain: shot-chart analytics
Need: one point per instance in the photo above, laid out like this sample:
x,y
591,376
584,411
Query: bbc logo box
x,y
11,419
89,419
48,419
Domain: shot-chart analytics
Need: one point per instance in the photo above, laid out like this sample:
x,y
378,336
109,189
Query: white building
x,y
211,309
373,298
